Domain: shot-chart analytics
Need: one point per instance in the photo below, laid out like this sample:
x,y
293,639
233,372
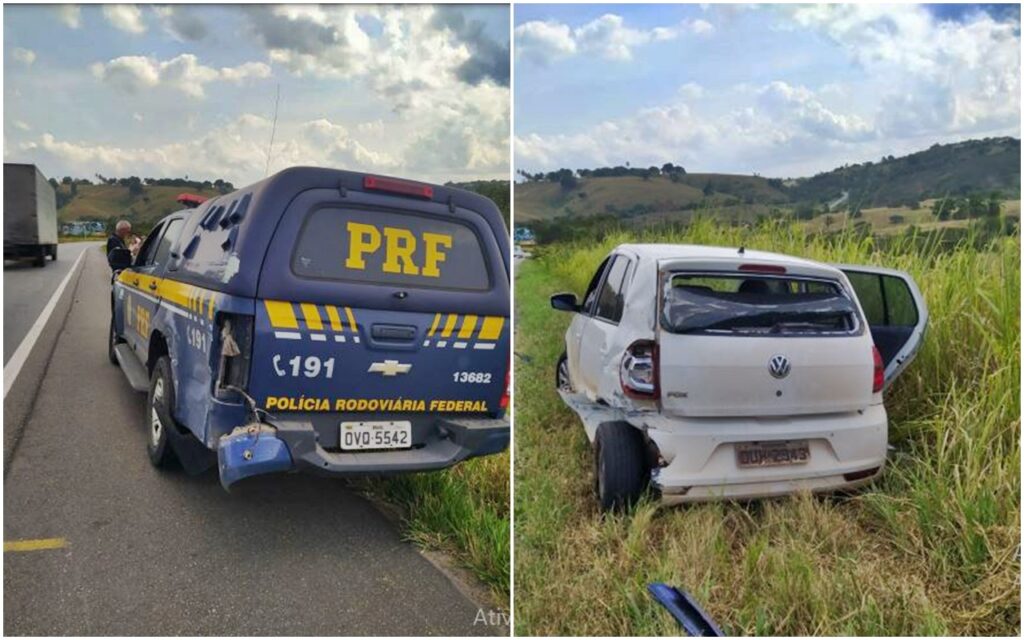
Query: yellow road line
x,y
35,545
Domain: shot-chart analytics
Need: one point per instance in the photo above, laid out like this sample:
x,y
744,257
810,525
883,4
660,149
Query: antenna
x,y
273,129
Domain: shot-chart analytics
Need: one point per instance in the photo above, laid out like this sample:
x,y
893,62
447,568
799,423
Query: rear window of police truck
x,y
391,248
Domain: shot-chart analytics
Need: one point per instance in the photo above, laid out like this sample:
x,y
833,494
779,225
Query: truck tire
x,y
112,341
158,414
620,467
40,259
53,252
562,380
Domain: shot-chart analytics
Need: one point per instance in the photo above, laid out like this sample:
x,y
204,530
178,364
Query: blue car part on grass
x,y
690,616
359,323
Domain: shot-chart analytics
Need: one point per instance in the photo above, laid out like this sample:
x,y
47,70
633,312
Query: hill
x,y
111,202
975,166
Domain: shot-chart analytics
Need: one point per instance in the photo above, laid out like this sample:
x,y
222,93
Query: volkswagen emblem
x,y
778,366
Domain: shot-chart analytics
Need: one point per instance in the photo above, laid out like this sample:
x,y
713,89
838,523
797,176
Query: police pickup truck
x,y
319,320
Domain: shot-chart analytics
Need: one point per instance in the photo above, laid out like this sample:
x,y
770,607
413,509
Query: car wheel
x,y
158,414
112,341
562,381
620,468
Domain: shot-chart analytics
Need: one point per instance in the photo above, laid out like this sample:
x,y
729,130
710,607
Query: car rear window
x,y
752,304
388,247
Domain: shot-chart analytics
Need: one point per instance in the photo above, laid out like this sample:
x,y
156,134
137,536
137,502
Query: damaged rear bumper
x,y
295,446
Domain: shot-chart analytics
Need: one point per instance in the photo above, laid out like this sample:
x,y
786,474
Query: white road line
x,y
288,335
486,346
20,355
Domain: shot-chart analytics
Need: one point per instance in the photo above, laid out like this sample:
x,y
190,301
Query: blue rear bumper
x,y
293,446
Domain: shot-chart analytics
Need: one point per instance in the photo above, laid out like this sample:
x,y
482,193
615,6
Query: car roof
x,y
664,251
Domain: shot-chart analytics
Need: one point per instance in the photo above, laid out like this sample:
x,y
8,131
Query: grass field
x,y
930,549
463,511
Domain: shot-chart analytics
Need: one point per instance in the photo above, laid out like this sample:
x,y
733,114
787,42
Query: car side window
x,y
148,247
886,300
591,295
171,233
610,300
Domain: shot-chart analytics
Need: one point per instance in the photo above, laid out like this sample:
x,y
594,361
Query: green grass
x,y
462,511
930,549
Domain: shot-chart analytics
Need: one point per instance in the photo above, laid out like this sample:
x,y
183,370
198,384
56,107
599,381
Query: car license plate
x,y
376,435
772,454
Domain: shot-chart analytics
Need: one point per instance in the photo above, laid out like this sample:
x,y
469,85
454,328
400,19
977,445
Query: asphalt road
x,y
160,553
28,288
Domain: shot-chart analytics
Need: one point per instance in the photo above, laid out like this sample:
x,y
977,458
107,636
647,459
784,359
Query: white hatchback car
x,y
707,372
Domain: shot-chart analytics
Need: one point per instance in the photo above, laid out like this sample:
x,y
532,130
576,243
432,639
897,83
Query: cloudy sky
x,y
415,91
782,90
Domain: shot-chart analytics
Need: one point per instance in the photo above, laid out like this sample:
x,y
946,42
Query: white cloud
x,y
24,56
70,15
22,125
137,117
607,36
183,73
903,80
542,42
126,17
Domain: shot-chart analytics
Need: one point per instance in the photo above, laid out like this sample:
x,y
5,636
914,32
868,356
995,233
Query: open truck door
x,y
895,311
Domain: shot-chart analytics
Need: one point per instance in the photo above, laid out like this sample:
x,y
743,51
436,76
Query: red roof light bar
x,y
762,268
403,187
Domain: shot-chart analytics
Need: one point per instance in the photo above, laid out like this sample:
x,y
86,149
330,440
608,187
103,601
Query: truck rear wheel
x,y
40,259
158,414
53,252
620,468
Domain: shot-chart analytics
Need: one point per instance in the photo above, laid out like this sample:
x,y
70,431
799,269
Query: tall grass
x,y
463,511
931,548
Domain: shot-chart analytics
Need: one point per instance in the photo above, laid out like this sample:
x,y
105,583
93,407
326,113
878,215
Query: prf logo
x,y
399,247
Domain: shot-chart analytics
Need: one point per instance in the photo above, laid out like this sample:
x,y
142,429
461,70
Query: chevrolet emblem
x,y
389,368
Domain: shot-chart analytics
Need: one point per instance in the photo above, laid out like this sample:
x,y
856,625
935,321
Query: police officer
x,y
119,239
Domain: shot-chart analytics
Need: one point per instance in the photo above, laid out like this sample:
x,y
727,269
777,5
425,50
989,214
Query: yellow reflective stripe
x,y
282,316
449,325
468,324
433,327
332,315
213,297
351,319
312,316
491,328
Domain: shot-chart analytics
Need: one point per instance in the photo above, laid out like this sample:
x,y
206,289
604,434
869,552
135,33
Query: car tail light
x,y
879,377
638,372
402,187
234,352
762,268
508,392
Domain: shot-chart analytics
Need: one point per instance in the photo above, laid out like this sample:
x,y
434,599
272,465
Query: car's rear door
x,y
382,303
894,309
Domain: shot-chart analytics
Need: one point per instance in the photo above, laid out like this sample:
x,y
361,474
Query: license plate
x,y
376,435
772,454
